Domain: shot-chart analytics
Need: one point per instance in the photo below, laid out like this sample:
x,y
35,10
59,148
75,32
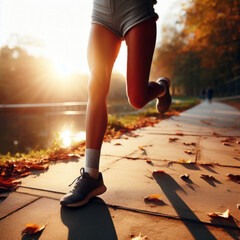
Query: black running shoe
x,y
83,190
164,102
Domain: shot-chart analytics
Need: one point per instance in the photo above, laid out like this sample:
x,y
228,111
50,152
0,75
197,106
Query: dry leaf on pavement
x,y
234,177
140,237
205,176
32,228
184,176
179,134
153,198
188,152
189,143
181,160
225,214
172,139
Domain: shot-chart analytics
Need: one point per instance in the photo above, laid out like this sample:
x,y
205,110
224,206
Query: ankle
x,y
93,172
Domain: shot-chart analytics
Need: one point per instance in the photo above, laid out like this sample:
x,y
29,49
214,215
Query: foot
x,y
164,102
83,190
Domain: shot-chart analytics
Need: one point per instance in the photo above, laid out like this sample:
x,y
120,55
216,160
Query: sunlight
x,y
65,137
68,138
62,69
80,136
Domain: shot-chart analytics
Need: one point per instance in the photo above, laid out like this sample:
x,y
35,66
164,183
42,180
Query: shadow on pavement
x,y
234,233
170,188
90,222
35,236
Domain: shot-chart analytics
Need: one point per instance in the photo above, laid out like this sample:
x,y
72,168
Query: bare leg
x,y
103,49
140,42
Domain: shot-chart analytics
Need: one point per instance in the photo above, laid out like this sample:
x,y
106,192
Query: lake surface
x,y
27,127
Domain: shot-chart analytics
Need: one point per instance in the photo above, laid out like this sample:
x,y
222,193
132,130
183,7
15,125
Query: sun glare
x,y
68,138
62,69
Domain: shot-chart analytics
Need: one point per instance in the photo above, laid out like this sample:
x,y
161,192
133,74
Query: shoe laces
x,y
82,173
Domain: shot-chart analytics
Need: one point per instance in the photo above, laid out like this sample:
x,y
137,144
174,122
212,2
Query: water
x,y
23,132
26,127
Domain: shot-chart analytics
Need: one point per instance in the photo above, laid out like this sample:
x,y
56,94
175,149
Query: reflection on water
x,y
22,132
25,127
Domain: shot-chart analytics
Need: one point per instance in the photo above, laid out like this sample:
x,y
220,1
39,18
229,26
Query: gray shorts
x,y
119,16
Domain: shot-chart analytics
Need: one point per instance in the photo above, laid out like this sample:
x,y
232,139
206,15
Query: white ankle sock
x,y
92,157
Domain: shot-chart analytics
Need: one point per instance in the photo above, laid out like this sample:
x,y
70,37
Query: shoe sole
x,y
94,193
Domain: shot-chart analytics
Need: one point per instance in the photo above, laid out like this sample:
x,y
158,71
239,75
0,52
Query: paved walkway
x,y
122,212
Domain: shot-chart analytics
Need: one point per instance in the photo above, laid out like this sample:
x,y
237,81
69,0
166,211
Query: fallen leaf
x,y
189,143
234,177
25,174
206,122
32,228
226,144
205,176
184,176
181,160
188,152
141,147
179,134
158,171
153,198
72,155
205,164
140,237
225,214
148,161
172,139
117,144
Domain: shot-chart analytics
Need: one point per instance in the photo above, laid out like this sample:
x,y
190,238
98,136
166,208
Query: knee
x,y
136,101
98,86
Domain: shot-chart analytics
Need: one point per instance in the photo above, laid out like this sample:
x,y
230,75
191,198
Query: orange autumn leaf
x,y
153,198
32,228
225,214
140,147
179,134
181,160
117,144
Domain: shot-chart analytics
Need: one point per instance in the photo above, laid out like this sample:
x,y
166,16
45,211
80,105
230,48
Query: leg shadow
x,y
90,222
170,188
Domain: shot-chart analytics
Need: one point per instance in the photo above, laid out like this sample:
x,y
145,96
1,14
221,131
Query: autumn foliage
x,y
202,48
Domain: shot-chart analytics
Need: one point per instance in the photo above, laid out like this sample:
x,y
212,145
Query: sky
x,y
62,29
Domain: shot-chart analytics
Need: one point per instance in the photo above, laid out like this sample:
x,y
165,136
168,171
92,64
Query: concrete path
x,y
122,212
